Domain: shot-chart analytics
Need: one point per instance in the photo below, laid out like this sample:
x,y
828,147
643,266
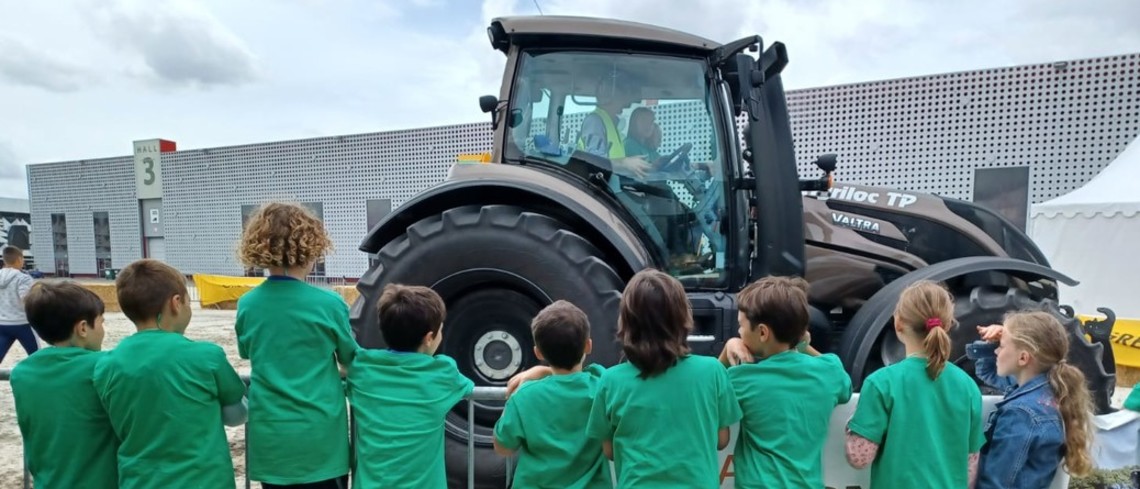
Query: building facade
x,y
965,135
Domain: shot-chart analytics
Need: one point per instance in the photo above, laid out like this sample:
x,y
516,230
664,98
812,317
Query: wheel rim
x,y
487,333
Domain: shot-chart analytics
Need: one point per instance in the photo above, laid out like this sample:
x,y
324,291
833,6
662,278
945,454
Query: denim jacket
x,y
1025,438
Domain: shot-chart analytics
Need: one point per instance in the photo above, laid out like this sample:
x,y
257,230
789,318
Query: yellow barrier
x,y
218,289
1125,339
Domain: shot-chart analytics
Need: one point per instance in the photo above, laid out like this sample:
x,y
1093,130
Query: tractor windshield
x,y
651,117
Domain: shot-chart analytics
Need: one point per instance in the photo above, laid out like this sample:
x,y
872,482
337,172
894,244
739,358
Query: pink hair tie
x,y
933,323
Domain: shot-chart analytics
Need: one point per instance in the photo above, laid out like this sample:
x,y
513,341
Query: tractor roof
x,y
540,30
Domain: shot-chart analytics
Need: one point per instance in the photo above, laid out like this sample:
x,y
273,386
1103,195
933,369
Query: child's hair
x,y
283,235
778,302
1042,335
145,286
654,322
927,309
560,333
54,308
407,313
12,255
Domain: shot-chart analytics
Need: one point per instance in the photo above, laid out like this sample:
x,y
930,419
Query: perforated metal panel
x,y
1067,121
78,189
205,189
920,134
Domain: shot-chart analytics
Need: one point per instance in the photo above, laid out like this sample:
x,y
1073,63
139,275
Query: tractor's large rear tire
x,y
495,266
987,305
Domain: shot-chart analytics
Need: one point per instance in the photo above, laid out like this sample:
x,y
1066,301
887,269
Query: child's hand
x,y
533,373
991,333
736,352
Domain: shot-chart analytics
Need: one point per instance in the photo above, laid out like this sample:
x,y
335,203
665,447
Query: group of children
x,y
150,412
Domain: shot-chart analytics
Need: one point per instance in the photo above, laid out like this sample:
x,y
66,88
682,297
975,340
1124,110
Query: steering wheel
x,y
678,160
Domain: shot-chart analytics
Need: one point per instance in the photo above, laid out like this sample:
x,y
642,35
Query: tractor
x,y
703,184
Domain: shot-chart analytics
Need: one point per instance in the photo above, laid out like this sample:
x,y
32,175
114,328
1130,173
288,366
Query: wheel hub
x,y
498,355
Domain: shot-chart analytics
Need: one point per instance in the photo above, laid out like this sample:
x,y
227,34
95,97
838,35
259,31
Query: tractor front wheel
x,y
495,267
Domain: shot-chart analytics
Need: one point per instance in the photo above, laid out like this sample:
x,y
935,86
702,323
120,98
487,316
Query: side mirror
x,y
827,162
488,103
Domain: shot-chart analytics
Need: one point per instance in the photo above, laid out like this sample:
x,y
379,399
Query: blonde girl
x,y
1047,407
918,422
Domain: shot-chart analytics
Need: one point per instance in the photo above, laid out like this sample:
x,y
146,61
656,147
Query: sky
x,y
81,79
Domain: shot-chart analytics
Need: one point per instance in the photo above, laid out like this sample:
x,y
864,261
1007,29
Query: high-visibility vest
x,y
613,136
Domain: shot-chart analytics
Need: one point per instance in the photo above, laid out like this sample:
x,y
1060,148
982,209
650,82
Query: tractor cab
x,y
644,129
649,120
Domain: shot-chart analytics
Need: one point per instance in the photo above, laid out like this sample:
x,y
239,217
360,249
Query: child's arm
x,y
231,389
508,432
728,407
608,449
735,353
346,345
1009,448
805,345
867,427
973,463
534,373
984,355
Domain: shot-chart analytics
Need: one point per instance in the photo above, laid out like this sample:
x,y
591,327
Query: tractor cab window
x,y
648,119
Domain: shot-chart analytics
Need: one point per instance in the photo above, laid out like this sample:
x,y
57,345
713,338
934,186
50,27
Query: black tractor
x,y
620,146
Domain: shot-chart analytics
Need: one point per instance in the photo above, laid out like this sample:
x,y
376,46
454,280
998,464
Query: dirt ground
x,y
208,325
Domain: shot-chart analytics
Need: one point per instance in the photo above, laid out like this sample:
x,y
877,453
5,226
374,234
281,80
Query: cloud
x,y
9,167
179,43
25,65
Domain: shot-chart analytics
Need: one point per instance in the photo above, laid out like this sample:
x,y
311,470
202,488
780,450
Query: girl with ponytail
x,y
1046,413
918,423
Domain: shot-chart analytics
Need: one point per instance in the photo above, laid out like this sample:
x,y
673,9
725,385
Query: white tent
x,y
1092,234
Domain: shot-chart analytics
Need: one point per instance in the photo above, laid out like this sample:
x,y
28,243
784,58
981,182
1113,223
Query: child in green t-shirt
x,y
400,396
294,335
545,422
788,396
662,415
921,406
68,440
167,396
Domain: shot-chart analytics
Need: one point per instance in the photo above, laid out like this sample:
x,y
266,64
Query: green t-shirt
x,y
68,440
164,394
294,334
1132,403
664,429
785,399
926,429
399,401
545,422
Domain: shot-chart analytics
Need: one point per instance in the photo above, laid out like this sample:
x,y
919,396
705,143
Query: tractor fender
x,y
585,209
865,326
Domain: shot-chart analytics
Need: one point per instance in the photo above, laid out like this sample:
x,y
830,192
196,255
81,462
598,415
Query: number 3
x,y
149,162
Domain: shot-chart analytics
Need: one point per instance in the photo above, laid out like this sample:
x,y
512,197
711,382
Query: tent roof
x,y
1112,193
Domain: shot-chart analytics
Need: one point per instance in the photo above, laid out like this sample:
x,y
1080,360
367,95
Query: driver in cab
x,y
600,135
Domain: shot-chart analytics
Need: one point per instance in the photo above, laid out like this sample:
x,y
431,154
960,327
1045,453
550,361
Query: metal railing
x,y
480,394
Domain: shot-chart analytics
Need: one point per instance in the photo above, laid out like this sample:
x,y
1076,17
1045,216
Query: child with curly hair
x,y
923,406
294,335
1047,410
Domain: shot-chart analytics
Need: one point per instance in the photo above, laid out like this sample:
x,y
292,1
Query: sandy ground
x,y
208,325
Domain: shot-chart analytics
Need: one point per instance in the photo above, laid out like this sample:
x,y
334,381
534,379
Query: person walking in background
x,y
14,286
